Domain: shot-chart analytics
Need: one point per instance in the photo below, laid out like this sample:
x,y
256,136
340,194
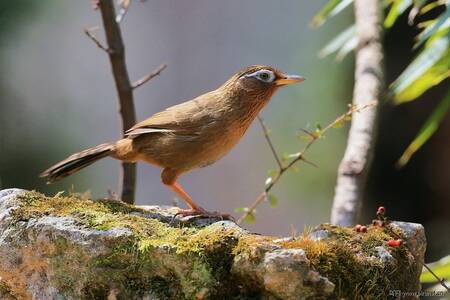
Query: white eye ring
x,y
263,75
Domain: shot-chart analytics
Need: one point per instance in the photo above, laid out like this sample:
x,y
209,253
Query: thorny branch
x,y
88,32
299,156
148,77
269,141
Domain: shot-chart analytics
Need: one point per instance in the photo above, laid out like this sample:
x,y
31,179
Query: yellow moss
x,y
203,253
108,214
249,242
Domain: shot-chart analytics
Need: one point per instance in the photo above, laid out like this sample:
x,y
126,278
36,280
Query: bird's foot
x,y
200,212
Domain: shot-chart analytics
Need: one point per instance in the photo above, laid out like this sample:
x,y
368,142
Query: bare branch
x,y
148,77
88,32
369,78
300,156
116,54
269,141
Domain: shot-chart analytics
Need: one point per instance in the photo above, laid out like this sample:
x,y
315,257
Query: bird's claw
x,y
203,213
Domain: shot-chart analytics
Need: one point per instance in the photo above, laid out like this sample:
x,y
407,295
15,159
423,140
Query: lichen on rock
x,y
71,247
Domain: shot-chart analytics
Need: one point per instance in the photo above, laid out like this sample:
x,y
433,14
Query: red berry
x,y
381,210
363,229
395,243
358,228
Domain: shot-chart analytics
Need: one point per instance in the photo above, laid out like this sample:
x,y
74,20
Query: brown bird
x,y
189,135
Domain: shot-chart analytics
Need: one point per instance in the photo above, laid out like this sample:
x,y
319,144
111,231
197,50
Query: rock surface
x,y
75,248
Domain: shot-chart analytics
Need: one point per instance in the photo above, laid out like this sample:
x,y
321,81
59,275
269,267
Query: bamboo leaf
x,y
428,69
442,24
441,268
338,42
430,6
348,47
398,7
332,8
428,129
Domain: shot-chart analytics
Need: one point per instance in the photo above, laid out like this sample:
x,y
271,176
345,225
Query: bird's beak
x,y
289,79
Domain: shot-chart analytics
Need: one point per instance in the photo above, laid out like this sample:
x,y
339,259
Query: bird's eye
x,y
266,76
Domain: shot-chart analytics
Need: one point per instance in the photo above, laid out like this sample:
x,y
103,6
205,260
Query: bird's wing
x,y
184,119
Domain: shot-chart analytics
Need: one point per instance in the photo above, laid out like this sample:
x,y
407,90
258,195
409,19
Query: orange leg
x,y
178,189
194,209
169,177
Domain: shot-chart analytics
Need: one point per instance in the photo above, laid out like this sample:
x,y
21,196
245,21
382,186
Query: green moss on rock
x,y
116,249
145,261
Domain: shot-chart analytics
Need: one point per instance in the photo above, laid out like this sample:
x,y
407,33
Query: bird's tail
x,y
76,162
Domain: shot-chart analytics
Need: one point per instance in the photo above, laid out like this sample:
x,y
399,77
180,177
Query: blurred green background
x,y
57,97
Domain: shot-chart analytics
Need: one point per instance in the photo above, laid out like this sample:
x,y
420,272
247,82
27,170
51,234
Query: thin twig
x,y
127,112
148,77
269,141
440,280
300,157
88,32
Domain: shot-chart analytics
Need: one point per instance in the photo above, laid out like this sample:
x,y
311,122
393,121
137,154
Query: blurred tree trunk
x,y
352,174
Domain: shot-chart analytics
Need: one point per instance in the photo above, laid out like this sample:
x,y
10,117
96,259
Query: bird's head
x,y
260,81
265,77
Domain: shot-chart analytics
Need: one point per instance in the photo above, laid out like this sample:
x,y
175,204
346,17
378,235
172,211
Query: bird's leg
x,y
178,189
194,209
169,179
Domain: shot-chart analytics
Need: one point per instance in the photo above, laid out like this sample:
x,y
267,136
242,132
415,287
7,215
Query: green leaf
x,y
441,268
339,124
318,127
241,210
442,24
332,8
430,6
428,69
419,3
415,10
428,129
250,219
272,173
398,7
338,42
273,200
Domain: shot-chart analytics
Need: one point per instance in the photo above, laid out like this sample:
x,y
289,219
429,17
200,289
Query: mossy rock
x,y
71,247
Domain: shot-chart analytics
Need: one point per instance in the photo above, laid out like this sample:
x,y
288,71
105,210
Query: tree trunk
x,y
369,78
